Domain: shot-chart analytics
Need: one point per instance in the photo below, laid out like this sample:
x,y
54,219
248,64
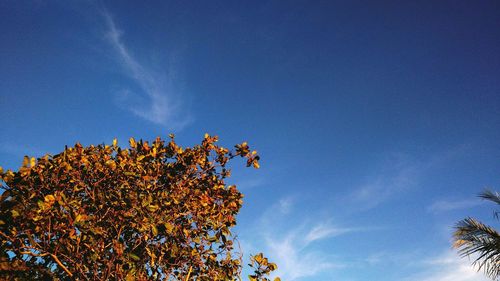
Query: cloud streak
x,y
326,230
448,267
399,174
295,259
294,246
386,184
156,101
445,205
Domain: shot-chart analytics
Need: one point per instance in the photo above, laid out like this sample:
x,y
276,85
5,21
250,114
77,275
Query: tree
x,y
472,237
154,211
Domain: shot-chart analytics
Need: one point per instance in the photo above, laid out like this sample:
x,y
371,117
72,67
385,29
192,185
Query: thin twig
x,y
189,273
61,265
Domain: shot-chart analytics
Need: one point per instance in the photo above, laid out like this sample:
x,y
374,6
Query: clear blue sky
x,y
378,122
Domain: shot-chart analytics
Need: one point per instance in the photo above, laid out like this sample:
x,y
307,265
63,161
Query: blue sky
x,y
377,121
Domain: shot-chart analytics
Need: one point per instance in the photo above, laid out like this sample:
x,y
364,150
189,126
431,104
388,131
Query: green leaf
x,y
41,205
134,257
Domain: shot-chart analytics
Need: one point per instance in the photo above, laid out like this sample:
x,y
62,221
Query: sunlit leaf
x,y
132,143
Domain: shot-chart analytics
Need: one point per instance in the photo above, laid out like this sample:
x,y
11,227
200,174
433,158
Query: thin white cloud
x,y
326,230
398,174
293,246
285,205
390,258
249,183
386,184
448,267
445,205
295,260
156,101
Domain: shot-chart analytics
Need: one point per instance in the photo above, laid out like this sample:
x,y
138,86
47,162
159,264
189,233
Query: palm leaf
x,y
490,195
475,238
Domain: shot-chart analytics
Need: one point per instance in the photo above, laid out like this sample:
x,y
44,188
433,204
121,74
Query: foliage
x,y
475,238
262,268
148,212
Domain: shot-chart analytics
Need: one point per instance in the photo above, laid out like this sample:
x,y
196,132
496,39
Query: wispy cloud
x,y
156,101
293,246
400,177
326,230
249,183
296,259
285,205
447,267
400,173
446,205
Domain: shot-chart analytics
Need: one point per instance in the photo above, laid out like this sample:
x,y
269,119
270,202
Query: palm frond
x,y
490,195
475,238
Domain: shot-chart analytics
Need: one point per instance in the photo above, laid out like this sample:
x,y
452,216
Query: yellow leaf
x,y
132,143
111,164
277,279
152,208
130,277
207,135
78,218
32,162
256,164
67,167
169,227
259,257
8,176
50,198
115,142
14,213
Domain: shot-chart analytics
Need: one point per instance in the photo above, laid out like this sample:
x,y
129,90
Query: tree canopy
x,y
147,212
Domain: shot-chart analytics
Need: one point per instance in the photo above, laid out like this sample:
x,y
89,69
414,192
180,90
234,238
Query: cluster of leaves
x,y
474,238
262,268
154,211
